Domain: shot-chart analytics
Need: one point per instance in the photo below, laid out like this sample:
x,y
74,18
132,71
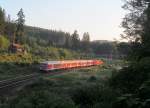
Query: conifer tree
x,y
20,27
75,40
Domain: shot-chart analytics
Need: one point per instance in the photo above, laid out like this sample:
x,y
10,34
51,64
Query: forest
x,y
105,86
44,42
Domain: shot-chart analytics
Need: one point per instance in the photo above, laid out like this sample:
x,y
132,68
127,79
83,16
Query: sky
x,y
101,18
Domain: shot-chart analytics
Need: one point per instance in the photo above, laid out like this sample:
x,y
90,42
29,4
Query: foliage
x,y
12,70
124,48
10,29
92,95
53,53
44,38
104,48
139,99
133,84
75,40
16,58
133,81
4,43
41,99
86,42
129,79
137,24
39,41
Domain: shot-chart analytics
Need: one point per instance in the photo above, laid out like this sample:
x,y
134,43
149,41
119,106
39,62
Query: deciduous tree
x,y
137,27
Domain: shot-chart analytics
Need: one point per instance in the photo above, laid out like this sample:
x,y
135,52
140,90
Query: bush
x,y
129,79
92,79
134,84
16,58
41,99
93,95
4,42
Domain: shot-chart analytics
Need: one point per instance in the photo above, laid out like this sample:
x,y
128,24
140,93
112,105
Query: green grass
x,y
83,75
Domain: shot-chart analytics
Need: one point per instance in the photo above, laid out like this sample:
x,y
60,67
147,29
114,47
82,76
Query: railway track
x,y
23,79
8,85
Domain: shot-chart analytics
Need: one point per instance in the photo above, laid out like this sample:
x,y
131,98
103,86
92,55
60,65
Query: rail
x,y
16,81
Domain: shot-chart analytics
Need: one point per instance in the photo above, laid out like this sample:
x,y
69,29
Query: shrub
x,y
129,79
92,78
4,42
41,99
93,95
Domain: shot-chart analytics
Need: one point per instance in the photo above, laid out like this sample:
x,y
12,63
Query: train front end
x,y
98,62
45,66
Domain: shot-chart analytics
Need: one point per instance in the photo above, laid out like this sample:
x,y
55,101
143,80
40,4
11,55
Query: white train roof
x,y
65,61
51,62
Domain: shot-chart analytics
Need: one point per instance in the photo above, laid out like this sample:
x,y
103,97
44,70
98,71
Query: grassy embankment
x,y
15,64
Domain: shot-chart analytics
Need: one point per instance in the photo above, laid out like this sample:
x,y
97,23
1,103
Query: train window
x,y
57,65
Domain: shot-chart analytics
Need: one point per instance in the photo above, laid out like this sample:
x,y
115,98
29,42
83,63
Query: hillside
x,y
50,37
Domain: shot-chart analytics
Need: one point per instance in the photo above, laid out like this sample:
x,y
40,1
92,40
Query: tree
x,y
75,40
10,28
20,27
124,48
86,37
86,42
2,21
137,27
68,42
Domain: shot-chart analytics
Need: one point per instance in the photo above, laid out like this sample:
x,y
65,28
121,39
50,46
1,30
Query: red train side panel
x,y
55,65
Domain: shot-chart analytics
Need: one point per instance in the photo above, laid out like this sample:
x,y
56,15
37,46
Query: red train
x,y
66,64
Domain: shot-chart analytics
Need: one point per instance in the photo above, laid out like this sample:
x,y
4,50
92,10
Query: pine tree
x,y
75,40
86,42
20,27
68,42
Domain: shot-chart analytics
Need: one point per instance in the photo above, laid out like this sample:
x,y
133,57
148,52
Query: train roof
x,y
64,61
51,62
